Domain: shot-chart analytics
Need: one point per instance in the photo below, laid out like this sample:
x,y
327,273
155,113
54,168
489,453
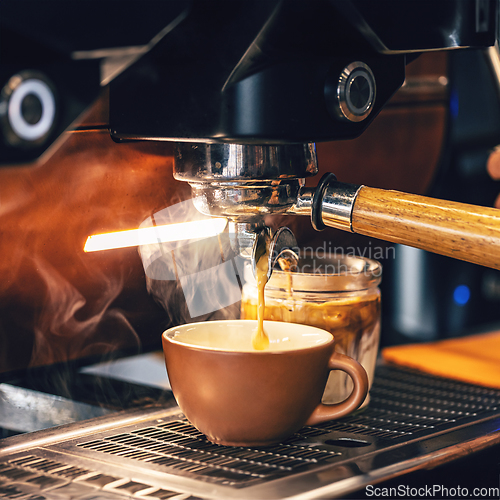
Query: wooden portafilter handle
x,y
462,231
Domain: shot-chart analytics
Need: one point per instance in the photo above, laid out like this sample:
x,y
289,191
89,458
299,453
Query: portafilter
x,y
247,182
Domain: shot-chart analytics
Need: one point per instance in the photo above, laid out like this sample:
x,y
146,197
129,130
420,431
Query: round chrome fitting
x,y
356,91
28,109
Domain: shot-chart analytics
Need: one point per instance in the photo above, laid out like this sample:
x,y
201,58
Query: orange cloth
x,y
474,359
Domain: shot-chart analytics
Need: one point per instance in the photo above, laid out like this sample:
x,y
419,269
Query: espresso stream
x,y
260,340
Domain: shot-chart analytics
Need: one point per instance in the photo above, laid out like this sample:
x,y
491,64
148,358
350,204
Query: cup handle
x,y
322,412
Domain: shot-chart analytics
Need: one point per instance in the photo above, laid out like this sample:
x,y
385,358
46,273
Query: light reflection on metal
x,y
25,410
205,228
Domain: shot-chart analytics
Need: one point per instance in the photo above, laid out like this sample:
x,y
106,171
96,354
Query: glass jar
x,y
336,292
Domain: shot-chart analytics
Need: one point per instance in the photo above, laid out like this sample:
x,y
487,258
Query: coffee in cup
x,y
240,396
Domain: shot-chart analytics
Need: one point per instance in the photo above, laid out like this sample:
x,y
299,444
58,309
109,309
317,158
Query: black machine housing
x,y
246,71
268,72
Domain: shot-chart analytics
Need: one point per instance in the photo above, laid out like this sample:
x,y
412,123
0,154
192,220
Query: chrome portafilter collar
x,y
244,181
198,162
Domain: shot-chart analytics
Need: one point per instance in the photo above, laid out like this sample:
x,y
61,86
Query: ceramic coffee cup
x,y
238,396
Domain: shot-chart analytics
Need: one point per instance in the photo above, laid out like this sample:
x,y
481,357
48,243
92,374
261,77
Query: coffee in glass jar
x,y
338,293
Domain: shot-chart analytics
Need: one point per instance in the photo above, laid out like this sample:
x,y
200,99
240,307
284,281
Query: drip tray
x,y
413,420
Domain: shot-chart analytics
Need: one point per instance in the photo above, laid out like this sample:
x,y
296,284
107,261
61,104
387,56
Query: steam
x,y
57,303
66,329
195,279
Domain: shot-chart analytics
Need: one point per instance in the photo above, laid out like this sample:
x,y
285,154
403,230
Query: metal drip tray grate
x,y
158,454
408,404
179,445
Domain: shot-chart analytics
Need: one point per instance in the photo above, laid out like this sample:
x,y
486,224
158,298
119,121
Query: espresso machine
x,y
238,93
246,149
244,114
